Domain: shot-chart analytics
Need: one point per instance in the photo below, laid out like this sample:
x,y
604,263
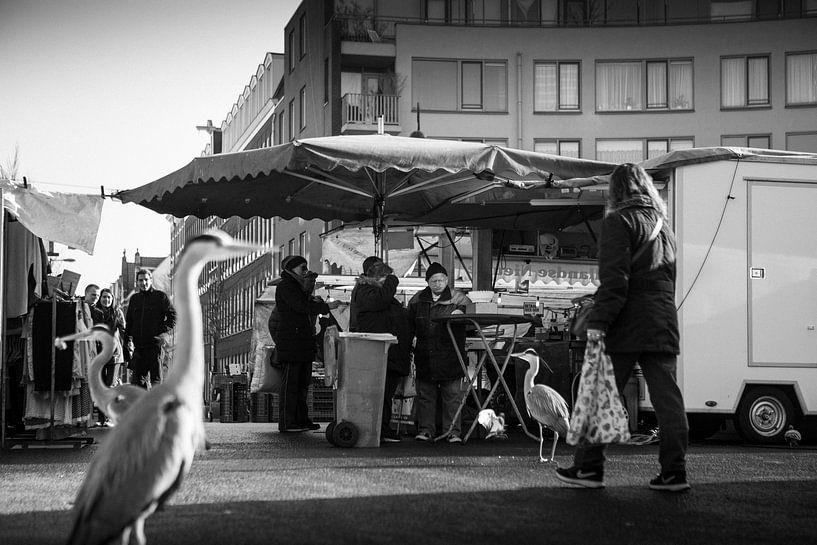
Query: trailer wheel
x,y
330,433
345,434
764,415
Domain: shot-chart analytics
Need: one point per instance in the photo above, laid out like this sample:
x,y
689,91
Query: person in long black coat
x,y
635,314
374,309
292,327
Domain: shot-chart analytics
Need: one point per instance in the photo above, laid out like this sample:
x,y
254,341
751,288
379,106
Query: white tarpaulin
x,y
68,218
343,252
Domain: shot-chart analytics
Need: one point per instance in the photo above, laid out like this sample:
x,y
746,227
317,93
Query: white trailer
x,y
746,224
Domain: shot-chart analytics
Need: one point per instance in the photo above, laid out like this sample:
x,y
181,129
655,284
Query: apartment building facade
x,y
614,80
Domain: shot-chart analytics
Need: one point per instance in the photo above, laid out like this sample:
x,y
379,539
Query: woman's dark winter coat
x,y
375,310
635,303
292,322
434,355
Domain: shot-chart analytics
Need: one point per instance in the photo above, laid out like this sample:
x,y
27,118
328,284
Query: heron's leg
x,y
553,450
125,538
139,527
541,440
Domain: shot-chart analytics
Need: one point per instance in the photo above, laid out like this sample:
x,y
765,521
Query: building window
x,y
303,240
291,48
567,148
302,112
801,79
325,80
802,141
302,35
292,119
281,126
620,86
763,141
744,81
633,150
556,86
291,247
460,85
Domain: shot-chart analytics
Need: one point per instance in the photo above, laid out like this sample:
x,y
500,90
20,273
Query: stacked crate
x,y
320,401
234,404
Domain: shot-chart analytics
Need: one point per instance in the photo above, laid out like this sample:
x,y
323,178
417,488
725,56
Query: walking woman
x,y
111,315
635,314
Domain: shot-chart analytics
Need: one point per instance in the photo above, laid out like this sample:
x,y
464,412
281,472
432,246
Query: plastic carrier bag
x,y
598,416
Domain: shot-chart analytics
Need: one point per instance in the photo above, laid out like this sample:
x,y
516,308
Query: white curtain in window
x,y
618,86
801,79
495,91
656,85
758,80
549,147
656,148
620,151
733,82
680,85
683,143
544,87
569,149
569,86
472,85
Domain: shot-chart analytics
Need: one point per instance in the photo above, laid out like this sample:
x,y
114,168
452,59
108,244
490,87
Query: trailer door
x,y
782,274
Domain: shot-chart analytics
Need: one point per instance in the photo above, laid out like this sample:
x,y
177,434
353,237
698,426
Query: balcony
x,y
359,113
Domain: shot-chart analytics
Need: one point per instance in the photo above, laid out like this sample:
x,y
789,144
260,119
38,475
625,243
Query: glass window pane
x,y
569,148
618,86
569,86
436,11
759,142
680,85
656,148
656,85
802,142
544,146
733,82
434,84
620,151
496,87
758,80
472,85
681,143
544,99
733,141
801,79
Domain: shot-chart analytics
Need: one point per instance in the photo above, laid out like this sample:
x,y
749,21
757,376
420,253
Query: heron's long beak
x,y
237,248
62,342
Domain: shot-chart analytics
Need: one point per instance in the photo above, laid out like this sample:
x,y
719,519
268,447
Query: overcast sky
x,y
109,93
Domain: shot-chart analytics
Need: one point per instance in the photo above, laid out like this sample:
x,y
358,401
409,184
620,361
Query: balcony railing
x,y
365,109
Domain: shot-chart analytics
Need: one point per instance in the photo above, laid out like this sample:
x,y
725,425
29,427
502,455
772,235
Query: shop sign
x,y
523,275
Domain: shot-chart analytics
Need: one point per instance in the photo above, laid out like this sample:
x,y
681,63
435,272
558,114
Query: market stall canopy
x,y
376,177
68,218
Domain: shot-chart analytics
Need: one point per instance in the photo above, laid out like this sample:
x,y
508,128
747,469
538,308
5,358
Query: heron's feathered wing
x,y
547,406
139,465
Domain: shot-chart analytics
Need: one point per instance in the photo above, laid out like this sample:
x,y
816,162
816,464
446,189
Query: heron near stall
x,y
544,404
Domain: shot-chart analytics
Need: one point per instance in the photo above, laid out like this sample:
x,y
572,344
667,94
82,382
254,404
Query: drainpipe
x,y
519,100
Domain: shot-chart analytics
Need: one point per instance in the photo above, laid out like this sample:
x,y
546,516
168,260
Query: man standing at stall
x,y
150,315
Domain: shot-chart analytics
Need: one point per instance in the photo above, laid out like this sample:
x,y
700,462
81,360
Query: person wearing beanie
x,y
374,309
292,328
439,372
368,262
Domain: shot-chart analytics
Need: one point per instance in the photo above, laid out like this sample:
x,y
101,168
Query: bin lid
x,y
387,337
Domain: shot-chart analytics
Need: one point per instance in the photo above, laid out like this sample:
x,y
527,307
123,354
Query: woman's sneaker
x,y
422,436
672,481
588,478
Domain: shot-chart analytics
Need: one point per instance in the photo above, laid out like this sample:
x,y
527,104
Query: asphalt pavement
x,y
258,486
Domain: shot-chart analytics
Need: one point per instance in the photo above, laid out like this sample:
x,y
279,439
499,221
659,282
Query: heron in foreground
x,y
145,458
544,404
114,401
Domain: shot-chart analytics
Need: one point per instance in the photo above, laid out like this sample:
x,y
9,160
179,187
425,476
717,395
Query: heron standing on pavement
x,y
145,458
544,404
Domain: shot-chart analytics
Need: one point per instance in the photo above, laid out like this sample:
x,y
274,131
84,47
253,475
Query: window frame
x,y
291,47
747,136
559,142
302,36
559,107
786,77
302,108
645,140
645,85
458,66
747,105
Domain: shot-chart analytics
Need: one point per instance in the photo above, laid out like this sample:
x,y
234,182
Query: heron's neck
x,y
99,391
530,375
187,371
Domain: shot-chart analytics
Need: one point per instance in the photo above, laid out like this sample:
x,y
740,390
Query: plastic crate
x,y
234,401
320,401
259,407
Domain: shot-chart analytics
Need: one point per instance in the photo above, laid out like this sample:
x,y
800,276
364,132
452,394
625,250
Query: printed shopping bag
x,y
266,377
598,416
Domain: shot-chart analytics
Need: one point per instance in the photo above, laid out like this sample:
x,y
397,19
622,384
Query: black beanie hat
x,y
292,261
368,262
435,268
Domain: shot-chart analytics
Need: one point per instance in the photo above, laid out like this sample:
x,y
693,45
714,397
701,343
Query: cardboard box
x,y
480,308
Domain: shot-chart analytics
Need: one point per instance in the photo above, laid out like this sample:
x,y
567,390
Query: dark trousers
x,y
145,363
107,380
659,372
294,411
392,382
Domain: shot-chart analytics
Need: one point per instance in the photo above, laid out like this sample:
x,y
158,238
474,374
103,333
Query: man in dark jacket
x,y
635,314
374,309
292,327
150,315
439,371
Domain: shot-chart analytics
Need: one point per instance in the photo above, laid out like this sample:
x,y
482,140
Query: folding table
x,y
478,321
